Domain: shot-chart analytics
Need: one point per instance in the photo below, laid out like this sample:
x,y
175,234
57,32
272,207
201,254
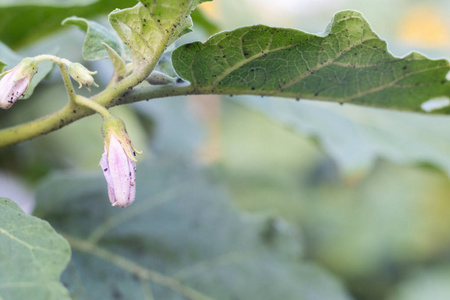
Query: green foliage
x,y
181,239
152,25
44,17
96,36
32,256
349,63
355,137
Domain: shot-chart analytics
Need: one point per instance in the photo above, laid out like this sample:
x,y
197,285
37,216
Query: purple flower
x,y
119,165
11,88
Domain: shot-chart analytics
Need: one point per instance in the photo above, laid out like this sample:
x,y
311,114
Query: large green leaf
x,y
44,17
349,63
32,256
181,239
150,26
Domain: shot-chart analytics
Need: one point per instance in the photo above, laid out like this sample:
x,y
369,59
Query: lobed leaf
x,y
151,26
32,256
348,63
181,239
96,35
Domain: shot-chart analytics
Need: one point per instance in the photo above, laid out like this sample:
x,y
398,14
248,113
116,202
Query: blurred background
x,y
368,189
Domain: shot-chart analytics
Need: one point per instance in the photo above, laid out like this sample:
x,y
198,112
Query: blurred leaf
x,y
428,283
176,129
32,256
356,136
44,17
337,136
201,20
371,232
96,35
152,25
349,63
180,239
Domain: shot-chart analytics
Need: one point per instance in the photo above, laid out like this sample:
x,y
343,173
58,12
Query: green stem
x,y
73,111
94,106
111,96
62,64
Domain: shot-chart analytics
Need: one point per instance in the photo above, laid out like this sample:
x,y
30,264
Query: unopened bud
x,y
82,75
16,81
118,163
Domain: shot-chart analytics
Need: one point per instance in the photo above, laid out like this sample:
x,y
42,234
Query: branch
x,y
118,95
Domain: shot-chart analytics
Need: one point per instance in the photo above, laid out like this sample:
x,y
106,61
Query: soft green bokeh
x,y
183,229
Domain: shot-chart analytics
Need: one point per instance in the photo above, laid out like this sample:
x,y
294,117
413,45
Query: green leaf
x,y
355,137
11,59
181,239
338,137
2,66
44,17
32,256
150,26
349,63
96,35
120,69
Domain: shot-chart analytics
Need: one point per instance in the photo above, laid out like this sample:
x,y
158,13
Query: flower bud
x,y
82,75
16,81
118,163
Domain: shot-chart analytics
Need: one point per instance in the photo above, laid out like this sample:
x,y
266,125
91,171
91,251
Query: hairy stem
x,y
75,110
117,95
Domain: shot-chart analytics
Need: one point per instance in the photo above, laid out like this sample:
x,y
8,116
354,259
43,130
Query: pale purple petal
x,y
107,174
119,166
10,91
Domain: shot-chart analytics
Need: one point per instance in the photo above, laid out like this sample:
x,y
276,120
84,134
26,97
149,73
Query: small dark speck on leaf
x,y
253,88
405,67
341,103
179,80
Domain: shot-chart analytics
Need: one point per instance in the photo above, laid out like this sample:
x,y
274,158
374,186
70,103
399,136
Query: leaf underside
x,y
348,63
152,25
